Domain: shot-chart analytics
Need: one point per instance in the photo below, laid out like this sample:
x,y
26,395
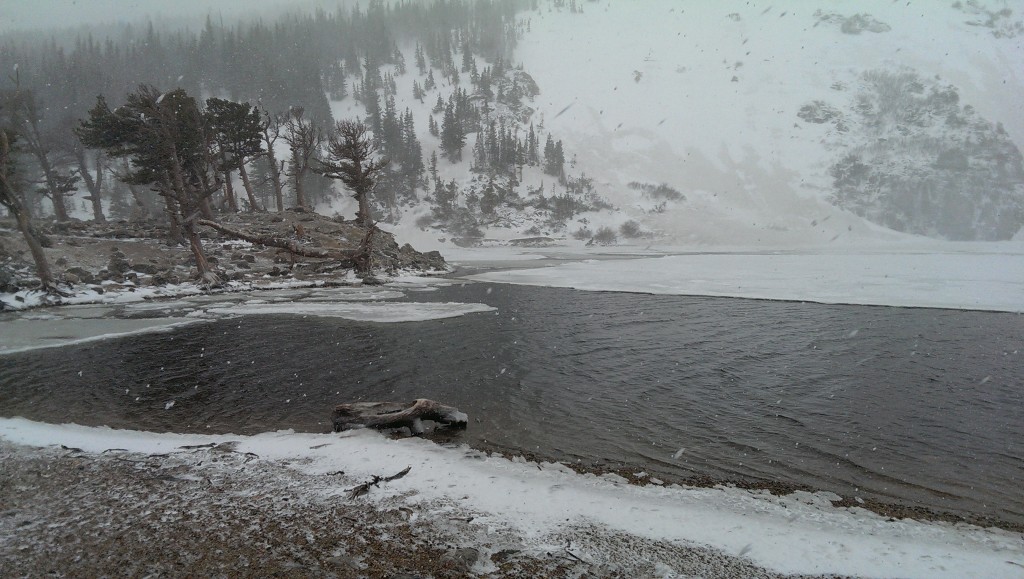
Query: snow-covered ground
x,y
800,533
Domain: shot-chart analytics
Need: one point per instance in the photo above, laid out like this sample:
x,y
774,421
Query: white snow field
x,y
800,533
704,96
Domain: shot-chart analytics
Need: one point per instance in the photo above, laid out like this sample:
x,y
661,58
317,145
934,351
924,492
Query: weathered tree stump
x,y
383,415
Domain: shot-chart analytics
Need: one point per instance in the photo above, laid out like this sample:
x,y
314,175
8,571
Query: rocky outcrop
x,y
139,253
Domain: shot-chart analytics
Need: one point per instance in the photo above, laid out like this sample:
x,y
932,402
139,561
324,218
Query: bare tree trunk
x,y
363,258
175,234
195,243
40,150
363,216
93,185
275,171
275,177
38,256
271,132
298,172
253,204
140,203
10,200
229,193
185,194
60,209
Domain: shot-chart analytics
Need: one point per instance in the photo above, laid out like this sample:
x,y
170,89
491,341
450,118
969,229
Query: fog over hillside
x,y
707,97
736,123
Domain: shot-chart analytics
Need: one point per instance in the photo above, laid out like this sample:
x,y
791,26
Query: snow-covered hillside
x,y
704,96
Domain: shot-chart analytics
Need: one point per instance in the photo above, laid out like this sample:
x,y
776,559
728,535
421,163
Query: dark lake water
x,y
920,406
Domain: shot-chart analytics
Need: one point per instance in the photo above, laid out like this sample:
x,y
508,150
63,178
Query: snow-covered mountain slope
x,y
704,96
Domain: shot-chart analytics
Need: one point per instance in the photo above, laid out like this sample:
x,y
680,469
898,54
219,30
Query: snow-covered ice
x,y
363,312
22,335
975,281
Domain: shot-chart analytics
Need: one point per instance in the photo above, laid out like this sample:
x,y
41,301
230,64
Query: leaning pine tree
x,y
167,142
236,129
351,157
11,200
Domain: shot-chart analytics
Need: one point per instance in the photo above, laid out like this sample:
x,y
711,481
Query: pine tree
x,y
373,114
479,153
334,81
467,56
351,157
493,146
531,148
412,158
453,137
559,162
390,136
421,61
549,154
484,84
165,136
399,61
236,129
430,84
554,158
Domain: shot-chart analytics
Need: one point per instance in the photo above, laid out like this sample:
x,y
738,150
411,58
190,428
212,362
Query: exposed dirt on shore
x,y
211,511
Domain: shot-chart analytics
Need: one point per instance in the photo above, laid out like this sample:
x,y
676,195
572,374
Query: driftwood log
x,y
383,415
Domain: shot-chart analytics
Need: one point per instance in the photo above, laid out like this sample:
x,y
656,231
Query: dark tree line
x,y
295,61
290,62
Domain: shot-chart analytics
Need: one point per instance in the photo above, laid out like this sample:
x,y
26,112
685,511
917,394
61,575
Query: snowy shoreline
x,y
533,506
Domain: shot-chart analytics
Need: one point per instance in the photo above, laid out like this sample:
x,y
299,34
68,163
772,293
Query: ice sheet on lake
x,y
389,312
973,281
22,335
800,533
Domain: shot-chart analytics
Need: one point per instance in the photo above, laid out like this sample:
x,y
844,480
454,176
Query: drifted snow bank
x,y
544,504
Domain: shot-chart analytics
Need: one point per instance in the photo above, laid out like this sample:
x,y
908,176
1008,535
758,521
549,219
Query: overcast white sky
x,y
34,14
